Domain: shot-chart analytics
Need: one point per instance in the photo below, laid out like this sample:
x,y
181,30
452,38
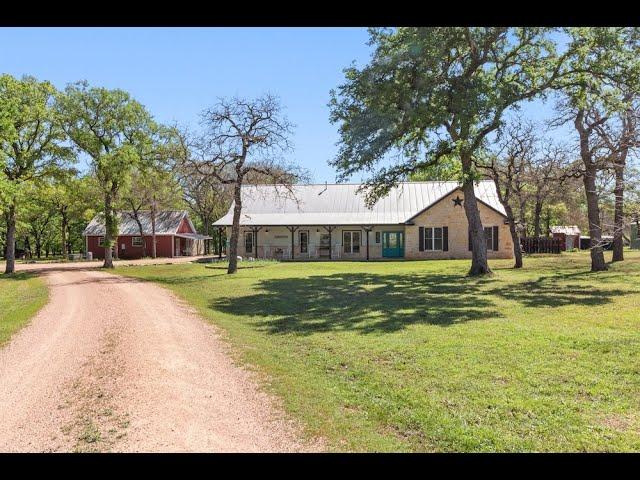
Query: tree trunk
x,y
537,214
205,221
11,239
108,234
38,247
63,231
593,210
235,228
548,223
515,237
618,216
522,203
593,213
154,207
136,217
479,263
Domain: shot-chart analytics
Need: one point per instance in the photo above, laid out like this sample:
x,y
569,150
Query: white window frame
x,y
357,246
101,241
135,244
430,243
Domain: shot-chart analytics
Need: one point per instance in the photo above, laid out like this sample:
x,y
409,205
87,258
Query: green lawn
x,y
414,356
21,296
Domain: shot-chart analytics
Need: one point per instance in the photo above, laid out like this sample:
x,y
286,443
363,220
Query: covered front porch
x,y
321,242
191,244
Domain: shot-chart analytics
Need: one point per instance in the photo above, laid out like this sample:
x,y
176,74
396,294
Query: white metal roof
x,y
341,204
566,229
167,223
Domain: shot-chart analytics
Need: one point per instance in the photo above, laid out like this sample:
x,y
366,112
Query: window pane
x,y
304,242
428,238
437,244
393,240
377,237
356,242
488,236
346,240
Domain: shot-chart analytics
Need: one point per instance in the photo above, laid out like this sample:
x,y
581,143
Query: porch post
x,y
293,231
220,243
367,230
255,231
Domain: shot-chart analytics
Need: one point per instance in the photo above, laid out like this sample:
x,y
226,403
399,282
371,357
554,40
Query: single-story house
x,y
415,220
175,235
569,236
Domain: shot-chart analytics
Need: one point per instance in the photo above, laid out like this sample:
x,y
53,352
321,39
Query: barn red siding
x,y
184,227
164,246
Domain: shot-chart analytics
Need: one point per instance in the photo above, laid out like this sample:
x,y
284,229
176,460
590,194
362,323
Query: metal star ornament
x,y
457,201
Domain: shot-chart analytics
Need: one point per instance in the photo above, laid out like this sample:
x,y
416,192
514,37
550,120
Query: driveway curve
x,y
116,364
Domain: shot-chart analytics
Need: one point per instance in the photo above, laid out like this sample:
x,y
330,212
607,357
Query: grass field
x,y
21,296
415,356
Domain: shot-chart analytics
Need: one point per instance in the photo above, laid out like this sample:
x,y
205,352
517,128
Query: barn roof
x,y
342,204
566,229
167,223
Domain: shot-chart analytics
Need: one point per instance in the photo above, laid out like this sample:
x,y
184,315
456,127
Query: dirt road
x,y
114,364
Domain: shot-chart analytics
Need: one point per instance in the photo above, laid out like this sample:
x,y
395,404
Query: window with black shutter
x,y
488,237
433,238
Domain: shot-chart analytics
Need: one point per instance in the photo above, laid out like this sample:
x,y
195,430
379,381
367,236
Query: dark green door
x,y
393,244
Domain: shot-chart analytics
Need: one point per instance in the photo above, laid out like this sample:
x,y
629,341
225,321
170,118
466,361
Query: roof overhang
x,y
193,236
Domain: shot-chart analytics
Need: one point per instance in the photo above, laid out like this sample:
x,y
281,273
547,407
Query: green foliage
x,y
114,130
603,65
448,168
434,92
30,134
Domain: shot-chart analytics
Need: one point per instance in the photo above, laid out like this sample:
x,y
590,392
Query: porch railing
x,y
314,251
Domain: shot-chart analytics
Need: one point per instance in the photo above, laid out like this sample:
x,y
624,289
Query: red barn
x,y
175,235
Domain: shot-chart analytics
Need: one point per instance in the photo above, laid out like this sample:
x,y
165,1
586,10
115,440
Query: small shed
x,y
569,236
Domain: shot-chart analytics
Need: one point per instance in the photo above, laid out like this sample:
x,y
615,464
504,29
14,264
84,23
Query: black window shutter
x,y
495,238
445,239
421,239
470,246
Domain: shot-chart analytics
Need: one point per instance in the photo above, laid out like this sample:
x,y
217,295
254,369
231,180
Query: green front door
x,y
393,244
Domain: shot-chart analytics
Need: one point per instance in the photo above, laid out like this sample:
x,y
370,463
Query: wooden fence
x,y
540,245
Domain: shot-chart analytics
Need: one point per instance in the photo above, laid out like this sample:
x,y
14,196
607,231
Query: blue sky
x,y
177,72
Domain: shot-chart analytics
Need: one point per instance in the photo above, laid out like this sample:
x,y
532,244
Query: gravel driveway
x,y
115,364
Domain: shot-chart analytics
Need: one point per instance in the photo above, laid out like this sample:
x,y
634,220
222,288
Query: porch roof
x,y
344,204
193,236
